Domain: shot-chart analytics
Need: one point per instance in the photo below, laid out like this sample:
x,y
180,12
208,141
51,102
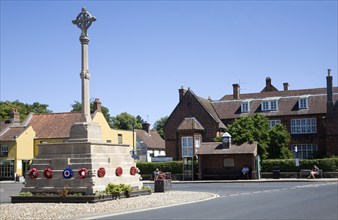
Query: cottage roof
x,y
189,124
53,125
152,139
9,133
211,148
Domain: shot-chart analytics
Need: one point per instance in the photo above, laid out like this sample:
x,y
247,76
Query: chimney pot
x,y
181,92
146,127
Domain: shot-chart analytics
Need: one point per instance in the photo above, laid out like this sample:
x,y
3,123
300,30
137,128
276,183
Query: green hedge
x,y
288,165
175,167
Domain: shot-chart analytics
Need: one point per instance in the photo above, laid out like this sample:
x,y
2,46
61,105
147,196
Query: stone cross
x,y
83,21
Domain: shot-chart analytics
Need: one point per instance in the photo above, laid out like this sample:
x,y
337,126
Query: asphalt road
x,y
297,200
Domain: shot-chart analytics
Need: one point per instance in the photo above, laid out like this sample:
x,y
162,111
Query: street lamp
x,y
133,155
297,161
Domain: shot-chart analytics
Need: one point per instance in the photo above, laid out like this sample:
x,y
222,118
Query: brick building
x,y
310,115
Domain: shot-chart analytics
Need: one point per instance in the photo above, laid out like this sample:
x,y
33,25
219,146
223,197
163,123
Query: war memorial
x,y
84,163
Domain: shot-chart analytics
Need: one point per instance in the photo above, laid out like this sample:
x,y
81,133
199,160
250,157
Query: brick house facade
x,y
310,115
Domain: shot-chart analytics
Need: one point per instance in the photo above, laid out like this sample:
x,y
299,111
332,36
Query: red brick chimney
x,y
15,116
329,91
268,85
97,105
236,89
286,86
146,127
181,92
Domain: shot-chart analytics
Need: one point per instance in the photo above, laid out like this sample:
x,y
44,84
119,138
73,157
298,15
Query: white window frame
x,y
270,105
303,103
273,123
197,143
304,126
187,144
245,106
304,151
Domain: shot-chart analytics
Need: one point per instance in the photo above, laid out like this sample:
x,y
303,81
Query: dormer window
x,y
270,105
245,106
303,102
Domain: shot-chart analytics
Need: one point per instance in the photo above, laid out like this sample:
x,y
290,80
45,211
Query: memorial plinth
x,y
84,163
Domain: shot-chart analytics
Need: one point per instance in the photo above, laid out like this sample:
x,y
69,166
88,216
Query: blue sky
x,y
142,52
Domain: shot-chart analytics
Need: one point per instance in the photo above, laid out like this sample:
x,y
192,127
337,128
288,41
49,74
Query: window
x,y
303,103
305,151
6,169
273,123
119,139
270,105
245,107
197,142
4,150
187,147
303,126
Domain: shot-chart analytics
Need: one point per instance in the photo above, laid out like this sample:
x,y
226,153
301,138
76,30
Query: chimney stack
x,y
15,116
286,86
181,92
97,105
268,84
146,127
236,89
329,90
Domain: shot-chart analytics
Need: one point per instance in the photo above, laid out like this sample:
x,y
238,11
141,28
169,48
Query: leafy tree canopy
x,y
23,108
77,107
279,138
158,125
126,121
250,129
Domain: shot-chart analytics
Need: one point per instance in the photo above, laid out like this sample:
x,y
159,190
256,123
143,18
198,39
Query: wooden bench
x,y
307,173
222,174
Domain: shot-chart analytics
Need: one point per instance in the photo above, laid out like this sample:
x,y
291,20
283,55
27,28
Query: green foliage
x,y
118,188
77,107
175,167
289,165
25,194
279,139
148,188
158,125
24,109
250,129
126,121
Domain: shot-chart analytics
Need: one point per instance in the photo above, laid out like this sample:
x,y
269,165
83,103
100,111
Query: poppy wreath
x,y
119,171
83,173
133,170
33,173
48,173
101,172
67,173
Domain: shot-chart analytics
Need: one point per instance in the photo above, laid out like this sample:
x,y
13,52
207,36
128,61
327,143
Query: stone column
x,y
85,131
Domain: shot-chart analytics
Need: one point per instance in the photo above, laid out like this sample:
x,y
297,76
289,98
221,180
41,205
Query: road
x,y
297,200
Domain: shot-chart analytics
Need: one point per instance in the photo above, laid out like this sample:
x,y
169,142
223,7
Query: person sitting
x,y
156,173
314,171
245,171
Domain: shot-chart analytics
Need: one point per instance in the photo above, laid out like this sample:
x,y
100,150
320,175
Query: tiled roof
x,y
11,132
209,148
190,124
4,125
53,125
153,140
209,108
228,108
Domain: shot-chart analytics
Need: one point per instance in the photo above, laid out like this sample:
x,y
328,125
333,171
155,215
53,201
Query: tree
x,y
24,109
126,121
250,129
158,125
279,138
77,107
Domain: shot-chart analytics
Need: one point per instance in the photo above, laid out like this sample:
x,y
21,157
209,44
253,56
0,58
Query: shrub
x,y
175,167
288,165
25,194
118,188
